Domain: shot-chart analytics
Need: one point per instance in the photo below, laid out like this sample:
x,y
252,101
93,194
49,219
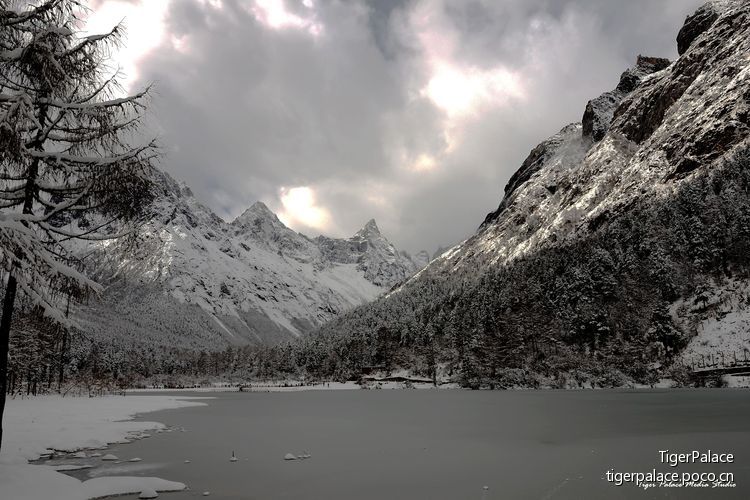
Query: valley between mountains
x,y
619,254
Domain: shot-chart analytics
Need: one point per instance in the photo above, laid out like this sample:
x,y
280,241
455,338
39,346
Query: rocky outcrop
x,y
698,108
599,112
695,25
259,224
595,123
541,156
375,256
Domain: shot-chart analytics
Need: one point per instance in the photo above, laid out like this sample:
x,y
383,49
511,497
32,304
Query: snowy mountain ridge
x,y
661,122
250,280
619,252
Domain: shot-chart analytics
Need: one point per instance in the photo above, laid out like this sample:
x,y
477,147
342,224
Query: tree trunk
x,y
10,299
10,290
61,373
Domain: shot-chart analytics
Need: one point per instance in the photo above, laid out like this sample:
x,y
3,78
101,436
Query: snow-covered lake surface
x,y
441,444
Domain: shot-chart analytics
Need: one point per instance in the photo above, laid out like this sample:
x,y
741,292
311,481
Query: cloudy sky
x,y
412,112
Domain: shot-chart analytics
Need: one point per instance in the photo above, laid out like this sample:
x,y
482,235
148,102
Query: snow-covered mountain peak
x,y
257,215
261,226
256,210
253,279
370,230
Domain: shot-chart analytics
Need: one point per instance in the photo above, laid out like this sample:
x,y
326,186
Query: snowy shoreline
x,y
730,381
35,427
293,387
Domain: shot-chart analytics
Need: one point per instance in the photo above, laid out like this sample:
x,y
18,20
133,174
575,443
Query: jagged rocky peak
x,y
599,111
367,240
260,222
193,276
696,24
176,204
258,211
370,230
375,256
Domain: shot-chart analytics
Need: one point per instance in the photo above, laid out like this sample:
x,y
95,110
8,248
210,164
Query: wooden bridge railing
x,y
719,360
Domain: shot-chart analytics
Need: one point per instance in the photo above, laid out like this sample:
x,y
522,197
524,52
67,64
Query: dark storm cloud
x,y
246,109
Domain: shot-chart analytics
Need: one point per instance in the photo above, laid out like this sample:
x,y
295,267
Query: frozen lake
x,y
444,444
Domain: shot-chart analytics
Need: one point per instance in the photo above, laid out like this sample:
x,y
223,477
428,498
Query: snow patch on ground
x,y
737,381
34,426
295,387
101,487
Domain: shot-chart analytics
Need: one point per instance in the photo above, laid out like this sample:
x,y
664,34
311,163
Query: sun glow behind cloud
x,y
424,163
145,29
463,92
275,15
301,208
457,88
413,112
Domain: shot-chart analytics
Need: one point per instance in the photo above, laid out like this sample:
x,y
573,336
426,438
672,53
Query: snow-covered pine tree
x,y
69,167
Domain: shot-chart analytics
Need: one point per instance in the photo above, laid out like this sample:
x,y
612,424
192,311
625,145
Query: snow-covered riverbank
x,y
297,386
33,427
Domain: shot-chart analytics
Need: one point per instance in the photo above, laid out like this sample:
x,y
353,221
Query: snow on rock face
x,y
695,111
563,150
380,262
676,118
717,319
194,279
264,228
599,112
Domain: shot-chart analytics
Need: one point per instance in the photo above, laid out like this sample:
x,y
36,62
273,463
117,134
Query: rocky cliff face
x,y
660,123
604,228
374,256
600,111
574,140
194,280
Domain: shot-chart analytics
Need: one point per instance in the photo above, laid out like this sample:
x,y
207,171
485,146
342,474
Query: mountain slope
x,y
604,227
193,280
666,121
